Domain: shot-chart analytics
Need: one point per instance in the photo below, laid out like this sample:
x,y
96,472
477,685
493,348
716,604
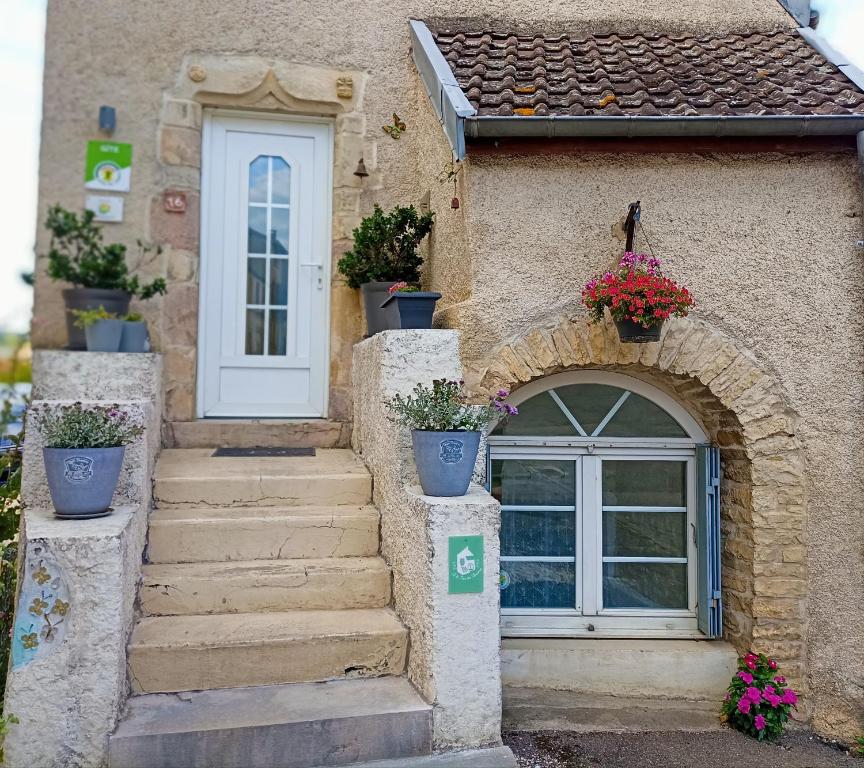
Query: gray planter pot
x,y
104,335
410,310
82,481
116,302
633,333
445,460
135,337
374,295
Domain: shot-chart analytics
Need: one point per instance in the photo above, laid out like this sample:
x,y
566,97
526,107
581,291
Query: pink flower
x,y
754,694
750,664
780,680
773,699
744,705
746,677
772,664
769,690
789,697
726,697
759,722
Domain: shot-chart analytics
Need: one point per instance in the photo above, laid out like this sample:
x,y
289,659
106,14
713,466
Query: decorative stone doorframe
x,y
746,412
250,83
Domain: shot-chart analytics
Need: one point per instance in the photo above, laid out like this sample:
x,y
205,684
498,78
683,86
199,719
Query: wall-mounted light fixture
x,y
361,169
107,120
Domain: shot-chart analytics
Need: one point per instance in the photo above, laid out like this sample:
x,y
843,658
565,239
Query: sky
x,y
22,26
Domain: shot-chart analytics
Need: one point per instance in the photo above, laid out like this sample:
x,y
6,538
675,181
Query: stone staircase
x,y
266,638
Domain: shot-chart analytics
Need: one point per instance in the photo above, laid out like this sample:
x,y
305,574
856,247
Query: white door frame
x,y
206,211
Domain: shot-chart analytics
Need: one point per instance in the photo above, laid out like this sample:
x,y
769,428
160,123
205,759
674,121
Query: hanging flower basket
x,y
639,298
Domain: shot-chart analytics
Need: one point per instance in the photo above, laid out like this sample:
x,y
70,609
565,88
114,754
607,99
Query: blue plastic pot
x,y
134,337
445,460
82,481
104,335
410,310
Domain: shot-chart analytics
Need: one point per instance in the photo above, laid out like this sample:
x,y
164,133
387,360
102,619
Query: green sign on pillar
x,y
465,564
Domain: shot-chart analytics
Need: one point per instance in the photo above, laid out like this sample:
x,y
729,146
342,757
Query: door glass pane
x,y
540,533
645,585
278,332
537,585
639,417
281,181
254,331
258,180
279,281
257,238
539,416
534,483
279,230
644,483
256,270
644,534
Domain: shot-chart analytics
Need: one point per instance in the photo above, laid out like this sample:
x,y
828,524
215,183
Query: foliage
x,y
444,407
385,247
403,287
636,291
858,747
758,702
134,317
84,318
5,722
78,255
74,426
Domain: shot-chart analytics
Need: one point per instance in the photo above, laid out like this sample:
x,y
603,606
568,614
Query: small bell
x,y
361,169
454,203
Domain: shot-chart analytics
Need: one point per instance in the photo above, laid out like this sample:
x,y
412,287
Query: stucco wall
x,y
767,245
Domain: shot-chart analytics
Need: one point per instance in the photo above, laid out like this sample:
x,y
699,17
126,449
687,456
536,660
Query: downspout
x,y
861,171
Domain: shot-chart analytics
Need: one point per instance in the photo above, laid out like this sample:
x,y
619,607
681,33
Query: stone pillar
x,y
67,681
454,658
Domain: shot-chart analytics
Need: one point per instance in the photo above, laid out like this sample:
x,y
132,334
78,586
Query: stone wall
x,y
67,683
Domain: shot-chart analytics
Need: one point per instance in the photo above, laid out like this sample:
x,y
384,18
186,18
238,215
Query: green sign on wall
x,y
109,166
465,564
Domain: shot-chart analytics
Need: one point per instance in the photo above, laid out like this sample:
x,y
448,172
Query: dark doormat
x,y
250,452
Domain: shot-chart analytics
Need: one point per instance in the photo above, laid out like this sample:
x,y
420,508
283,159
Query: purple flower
x,y
754,694
744,706
502,393
759,722
511,409
789,697
746,677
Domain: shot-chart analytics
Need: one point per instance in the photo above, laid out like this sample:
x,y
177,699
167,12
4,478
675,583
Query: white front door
x,y
265,256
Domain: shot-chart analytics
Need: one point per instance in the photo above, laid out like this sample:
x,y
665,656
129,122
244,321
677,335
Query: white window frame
x,y
588,618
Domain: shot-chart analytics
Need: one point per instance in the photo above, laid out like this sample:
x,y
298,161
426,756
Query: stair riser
x,y
195,541
369,588
328,742
263,491
177,668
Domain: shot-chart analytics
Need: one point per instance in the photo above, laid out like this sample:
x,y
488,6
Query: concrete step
x,y
277,726
542,709
193,535
254,433
190,653
194,477
256,585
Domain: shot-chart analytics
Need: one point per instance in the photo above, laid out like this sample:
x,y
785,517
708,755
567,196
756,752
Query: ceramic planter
x,y
116,302
410,310
134,337
445,460
104,335
82,481
633,333
373,297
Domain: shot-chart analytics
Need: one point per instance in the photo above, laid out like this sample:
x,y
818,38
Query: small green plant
x,y
77,255
385,247
133,317
444,407
74,426
403,287
858,747
5,722
84,318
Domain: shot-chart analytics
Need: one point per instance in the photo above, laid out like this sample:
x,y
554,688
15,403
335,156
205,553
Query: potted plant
x,y
83,453
102,329
98,272
638,297
384,252
445,432
409,307
135,337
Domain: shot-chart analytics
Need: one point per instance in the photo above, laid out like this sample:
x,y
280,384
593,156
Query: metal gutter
x,y
448,101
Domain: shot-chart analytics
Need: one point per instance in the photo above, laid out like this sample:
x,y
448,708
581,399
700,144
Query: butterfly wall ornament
x,y
397,129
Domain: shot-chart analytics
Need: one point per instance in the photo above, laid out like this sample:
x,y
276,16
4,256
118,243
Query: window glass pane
x,y
644,483
254,331
258,180
645,534
279,230
540,416
281,181
257,238
534,483
645,585
278,331
279,281
589,403
537,585
540,533
255,275
639,417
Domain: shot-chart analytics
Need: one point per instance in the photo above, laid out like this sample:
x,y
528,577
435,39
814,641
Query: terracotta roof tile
x,y
760,73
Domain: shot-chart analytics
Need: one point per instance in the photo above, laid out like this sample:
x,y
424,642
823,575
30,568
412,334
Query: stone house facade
x,y
735,127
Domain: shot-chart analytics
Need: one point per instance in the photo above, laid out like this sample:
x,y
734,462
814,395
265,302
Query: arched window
x,y
597,481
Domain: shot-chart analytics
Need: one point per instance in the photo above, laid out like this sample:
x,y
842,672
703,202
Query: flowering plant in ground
x,y
636,290
403,287
444,407
758,701
74,426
